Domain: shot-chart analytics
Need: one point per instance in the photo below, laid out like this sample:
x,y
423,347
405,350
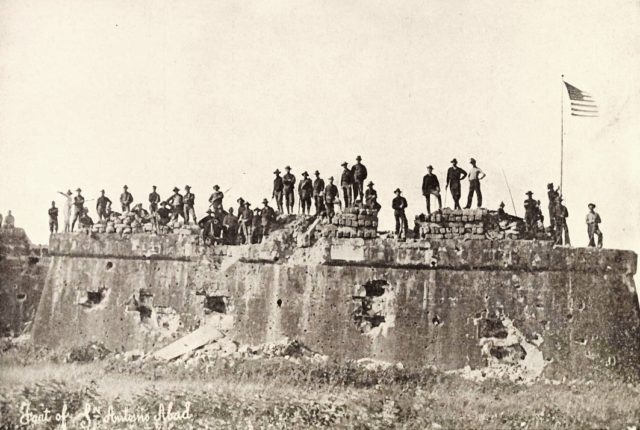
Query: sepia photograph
x,y
293,214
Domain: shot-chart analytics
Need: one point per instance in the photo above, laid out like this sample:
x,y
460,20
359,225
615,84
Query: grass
x,y
280,393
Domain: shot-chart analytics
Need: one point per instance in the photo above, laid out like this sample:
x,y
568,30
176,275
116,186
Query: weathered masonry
x,y
448,303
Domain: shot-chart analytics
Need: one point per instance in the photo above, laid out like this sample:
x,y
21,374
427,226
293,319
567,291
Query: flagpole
x,y
561,130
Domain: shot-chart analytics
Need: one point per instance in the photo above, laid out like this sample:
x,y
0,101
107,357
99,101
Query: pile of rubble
x,y
468,224
356,222
126,225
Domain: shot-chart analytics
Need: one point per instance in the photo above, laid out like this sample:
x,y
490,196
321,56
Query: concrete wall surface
x,y
445,303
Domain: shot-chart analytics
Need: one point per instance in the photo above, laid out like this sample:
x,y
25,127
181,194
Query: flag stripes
x,y
582,104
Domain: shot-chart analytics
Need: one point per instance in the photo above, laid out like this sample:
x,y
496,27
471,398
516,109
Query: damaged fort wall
x,y
447,303
23,268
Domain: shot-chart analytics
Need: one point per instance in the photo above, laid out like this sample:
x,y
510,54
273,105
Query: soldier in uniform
x,y
189,203
256,232
501,213
154,200
561,213
530,212
289,183
53,218
177,204
246,222
230,225
305,191
371,197
475,176
553,201
454,175
431,186
85,220
593,226
78,204
278,189
318,191
359,172
330,198
216,199
126,199
103,206
240,211
9,221
399,204
346,183
267,216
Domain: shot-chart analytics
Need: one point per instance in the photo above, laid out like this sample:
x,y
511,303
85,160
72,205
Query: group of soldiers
x,y
251,225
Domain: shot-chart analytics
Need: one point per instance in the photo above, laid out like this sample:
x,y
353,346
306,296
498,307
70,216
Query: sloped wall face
x,y
23,269
450,304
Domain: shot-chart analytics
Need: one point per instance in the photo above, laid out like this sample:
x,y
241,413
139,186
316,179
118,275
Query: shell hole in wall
x,y
279,302
217,304
21,297
109,265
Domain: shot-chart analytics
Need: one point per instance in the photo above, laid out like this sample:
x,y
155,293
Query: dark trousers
x,y
358,192
189,213
560,230
178,210
594,230
401,223
305,202
278,196
76,218
330,210
474,186
347,193
428,199
289,199
126,207
455,193
318,202
153,207
53,226
102,213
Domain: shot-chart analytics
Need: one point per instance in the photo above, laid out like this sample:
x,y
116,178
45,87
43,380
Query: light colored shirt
x,y
474,172
593,218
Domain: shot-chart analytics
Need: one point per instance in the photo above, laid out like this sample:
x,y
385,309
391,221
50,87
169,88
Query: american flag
x,y
582,104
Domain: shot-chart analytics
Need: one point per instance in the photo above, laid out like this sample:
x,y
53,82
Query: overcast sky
x,y
97,94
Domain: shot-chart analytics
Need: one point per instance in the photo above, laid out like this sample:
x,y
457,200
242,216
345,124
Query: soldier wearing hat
x,y
177,204
289,182
189,204
230,225
561,213
330,198
68,205
501,213
78,205
431,186
318,193
245,221
399,204
305,192
475,176
346,183
103,206
267,216
553,195
359,172
126,199
530,211
278,190
53,218
371,197
216,198
455,174
593,226
154,200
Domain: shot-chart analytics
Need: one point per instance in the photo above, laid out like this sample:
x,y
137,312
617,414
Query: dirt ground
x,y
114,393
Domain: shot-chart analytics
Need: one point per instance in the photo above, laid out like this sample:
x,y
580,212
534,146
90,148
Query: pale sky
x,y
97,94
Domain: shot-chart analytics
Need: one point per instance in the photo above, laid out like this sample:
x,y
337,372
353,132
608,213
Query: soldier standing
x,y
177,204
305,191
126,199
154,200
9,221
346,182
53,218
530,212
431,186
399,204
103,206
318,191
593,226
267,216
230,225
475,175
216,199
330,198
189,203
78,204
68,204
278,189
371,197
245,220
553,201
289,182
359,172
561,229
454,175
